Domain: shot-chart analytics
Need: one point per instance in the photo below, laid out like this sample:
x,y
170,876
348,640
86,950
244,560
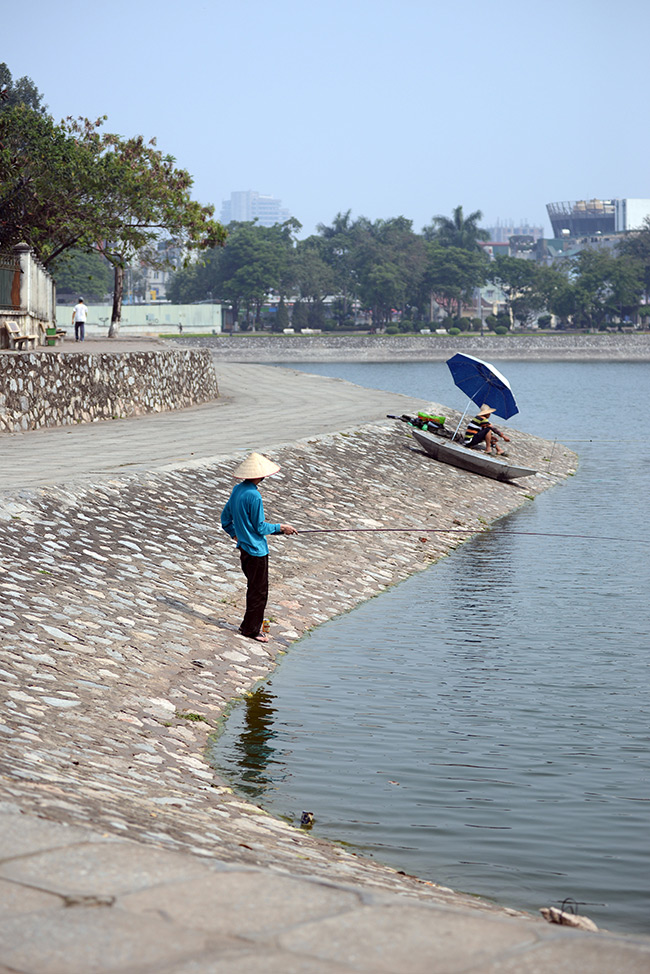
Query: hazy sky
x,y
387,108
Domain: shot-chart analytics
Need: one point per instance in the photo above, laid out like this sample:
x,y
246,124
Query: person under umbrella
x,y
480,430
243,520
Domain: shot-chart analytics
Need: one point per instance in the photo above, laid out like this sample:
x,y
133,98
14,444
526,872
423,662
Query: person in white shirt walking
x,y
79,316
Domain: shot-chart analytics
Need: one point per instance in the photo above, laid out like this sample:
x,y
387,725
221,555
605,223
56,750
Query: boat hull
x,y
447,451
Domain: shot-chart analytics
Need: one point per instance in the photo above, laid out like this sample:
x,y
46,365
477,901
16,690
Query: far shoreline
x,y
266,348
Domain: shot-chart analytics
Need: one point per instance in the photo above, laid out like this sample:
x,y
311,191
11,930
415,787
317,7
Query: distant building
x,y
502,232
521,245
495,248
561,248
249,205
584,218
630,214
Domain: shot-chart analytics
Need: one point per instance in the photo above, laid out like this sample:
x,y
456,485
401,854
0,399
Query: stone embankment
x,y
121,601
120,848
543,346
42,388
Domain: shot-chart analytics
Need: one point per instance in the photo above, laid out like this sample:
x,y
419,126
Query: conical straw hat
x,y
255,466
485,410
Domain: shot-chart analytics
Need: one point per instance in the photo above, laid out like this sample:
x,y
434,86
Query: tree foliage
x,y
388,260
83,274
452,274
388,268
637,246
458,231
254,261
73,185
23,91
605,286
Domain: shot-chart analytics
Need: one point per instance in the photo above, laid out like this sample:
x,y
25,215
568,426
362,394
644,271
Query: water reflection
x,y
253,747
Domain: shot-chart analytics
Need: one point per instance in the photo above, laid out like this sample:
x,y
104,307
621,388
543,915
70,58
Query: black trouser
x,y
256,571
478,437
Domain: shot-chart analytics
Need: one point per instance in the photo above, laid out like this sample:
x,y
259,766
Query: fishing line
x,y
428,530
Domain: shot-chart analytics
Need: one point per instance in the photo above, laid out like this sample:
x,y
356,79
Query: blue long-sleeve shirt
x,y
243,518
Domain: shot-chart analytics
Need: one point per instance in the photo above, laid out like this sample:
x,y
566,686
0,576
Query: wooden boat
x,y
459,456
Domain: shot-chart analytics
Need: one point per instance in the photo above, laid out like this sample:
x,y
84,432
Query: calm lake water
x,y
486,724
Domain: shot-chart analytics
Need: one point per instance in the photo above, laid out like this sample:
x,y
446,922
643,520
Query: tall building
x,y
583,218
248,205
502,232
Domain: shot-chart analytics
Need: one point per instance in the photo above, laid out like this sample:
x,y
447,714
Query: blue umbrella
x,y
483,384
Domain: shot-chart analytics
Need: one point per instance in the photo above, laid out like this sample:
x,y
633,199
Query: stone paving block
x,y
410,938
21,835
264,961
577,953
102,869
93,940
242,903
16,899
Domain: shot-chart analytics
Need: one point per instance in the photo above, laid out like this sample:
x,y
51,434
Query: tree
x,y
637,246
337,246
20,92
606,286
71,185
254,261
144,195
299,315
459,231
48,181
313,277
519,280
556,290
81,273
281,317
388,260
452,274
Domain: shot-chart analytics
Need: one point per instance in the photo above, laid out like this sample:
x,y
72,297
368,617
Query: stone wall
x,y
39,390
542,346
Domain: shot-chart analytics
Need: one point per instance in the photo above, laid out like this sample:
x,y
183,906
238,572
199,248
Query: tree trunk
x,y
118,291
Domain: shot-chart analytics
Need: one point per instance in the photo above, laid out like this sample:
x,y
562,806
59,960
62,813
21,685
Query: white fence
x,y
27,293
149,319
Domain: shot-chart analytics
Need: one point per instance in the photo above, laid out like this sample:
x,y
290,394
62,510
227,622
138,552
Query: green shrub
x,y
392,330
500,330
453,331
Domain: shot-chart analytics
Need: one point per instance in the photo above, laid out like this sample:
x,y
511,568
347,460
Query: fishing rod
x,y
428,530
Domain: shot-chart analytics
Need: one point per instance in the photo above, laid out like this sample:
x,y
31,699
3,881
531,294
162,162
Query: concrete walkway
x,y
120,851
258,408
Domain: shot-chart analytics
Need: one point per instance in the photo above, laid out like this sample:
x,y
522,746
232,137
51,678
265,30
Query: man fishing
x,y
480,429
243,519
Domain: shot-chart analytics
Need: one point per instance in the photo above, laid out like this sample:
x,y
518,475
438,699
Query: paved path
x,y
258,408
120,851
